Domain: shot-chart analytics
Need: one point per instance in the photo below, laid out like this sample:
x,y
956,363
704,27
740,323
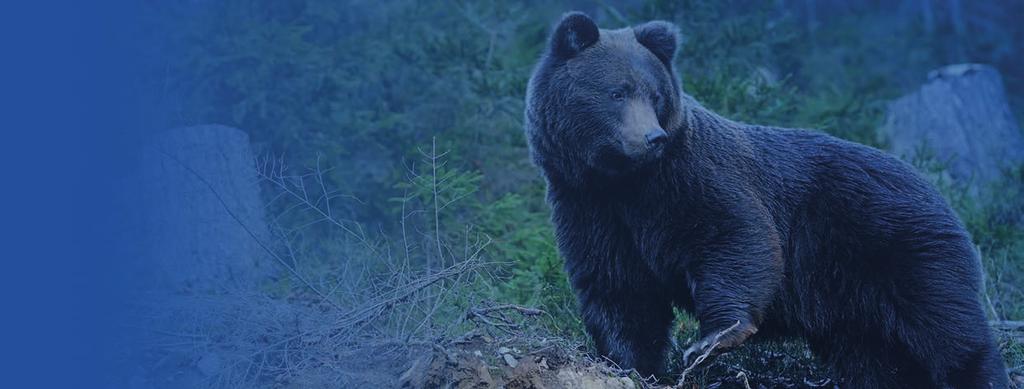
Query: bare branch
x,y
248,230
704,356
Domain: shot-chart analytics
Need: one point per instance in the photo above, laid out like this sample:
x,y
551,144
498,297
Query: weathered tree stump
x,y
959,117
204,208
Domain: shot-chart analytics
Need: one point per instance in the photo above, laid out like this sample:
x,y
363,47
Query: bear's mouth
x,y
614,160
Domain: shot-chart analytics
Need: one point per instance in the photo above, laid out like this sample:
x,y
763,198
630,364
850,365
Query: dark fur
x,y
789,232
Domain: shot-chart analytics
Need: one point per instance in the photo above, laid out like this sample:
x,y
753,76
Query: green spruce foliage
x,y
419,105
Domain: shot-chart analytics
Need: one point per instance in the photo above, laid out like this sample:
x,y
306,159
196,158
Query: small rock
x,y
544,363
510,360
574,378
504,350
478,353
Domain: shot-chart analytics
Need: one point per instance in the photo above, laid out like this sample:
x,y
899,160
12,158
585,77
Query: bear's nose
x,y
656,136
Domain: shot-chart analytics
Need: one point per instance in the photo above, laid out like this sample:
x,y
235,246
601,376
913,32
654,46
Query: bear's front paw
x,y
698,352
716,343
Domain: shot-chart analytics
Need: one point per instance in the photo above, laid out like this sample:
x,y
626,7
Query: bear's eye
x,y
618,95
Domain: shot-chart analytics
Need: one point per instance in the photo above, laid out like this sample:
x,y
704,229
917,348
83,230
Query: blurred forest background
x,y
401,208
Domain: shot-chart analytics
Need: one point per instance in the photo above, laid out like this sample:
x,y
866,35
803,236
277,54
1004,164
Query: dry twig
x,y
707,353
249,231
1007,325
493,316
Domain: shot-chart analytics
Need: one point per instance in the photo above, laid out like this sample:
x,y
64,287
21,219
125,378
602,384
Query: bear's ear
x,y
574,33
661,38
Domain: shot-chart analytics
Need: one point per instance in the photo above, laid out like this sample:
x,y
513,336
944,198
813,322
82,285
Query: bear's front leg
x,y
628,316
732,281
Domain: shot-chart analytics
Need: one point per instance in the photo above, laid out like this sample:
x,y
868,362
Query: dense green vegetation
x,y
374,90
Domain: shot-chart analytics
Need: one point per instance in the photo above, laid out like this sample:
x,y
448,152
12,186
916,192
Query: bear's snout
x,y
656,137
641,134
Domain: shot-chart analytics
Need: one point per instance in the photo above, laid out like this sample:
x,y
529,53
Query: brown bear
x,y
757,231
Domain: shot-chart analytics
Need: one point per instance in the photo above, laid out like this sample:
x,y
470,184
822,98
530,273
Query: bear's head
x,y
602,102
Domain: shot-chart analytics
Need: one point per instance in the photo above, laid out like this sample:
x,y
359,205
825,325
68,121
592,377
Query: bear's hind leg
x,y
962,359
939,319
871,364
983,369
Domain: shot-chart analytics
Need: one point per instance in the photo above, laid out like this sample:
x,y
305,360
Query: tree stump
x,y
959,117
204,209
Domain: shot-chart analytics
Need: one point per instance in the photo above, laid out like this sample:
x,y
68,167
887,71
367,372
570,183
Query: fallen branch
x,y
1007,325
819,384
612,368
743,376
493,316
378,306
523,310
